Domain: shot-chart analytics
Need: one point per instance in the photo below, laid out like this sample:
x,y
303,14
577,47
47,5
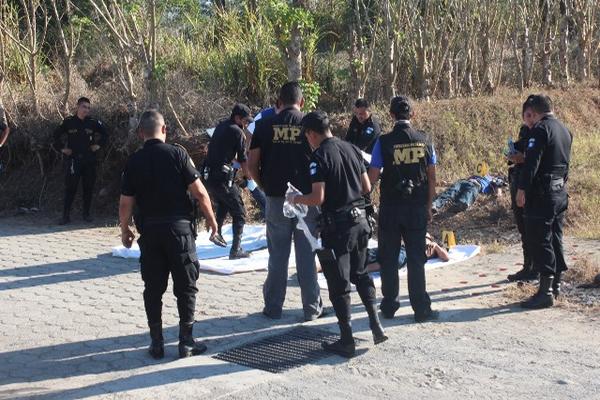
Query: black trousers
x,y
349,244
519,214
77,169
169,248
544,219
408,222
228,200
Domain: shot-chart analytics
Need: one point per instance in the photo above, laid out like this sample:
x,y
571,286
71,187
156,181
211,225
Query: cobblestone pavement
x,y
73,324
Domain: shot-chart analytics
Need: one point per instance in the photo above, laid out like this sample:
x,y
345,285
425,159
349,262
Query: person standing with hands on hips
x,y
408,160
339,181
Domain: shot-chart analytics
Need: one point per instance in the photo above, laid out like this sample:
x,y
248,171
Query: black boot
x,y
345,346
556,285
543,298
527,273
157,346
187,345
66,219
379,335
236,247
366,291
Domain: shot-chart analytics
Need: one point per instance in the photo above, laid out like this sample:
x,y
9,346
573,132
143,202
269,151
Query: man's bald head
x,y
151,124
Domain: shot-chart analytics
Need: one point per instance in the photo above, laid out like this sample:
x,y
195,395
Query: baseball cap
x,y
243,111
317,121
400,106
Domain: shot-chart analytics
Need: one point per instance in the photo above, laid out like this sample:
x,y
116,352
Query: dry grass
x,y
572,298
583,271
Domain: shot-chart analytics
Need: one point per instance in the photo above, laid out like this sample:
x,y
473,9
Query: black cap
x,y
400,107
243,111
317,121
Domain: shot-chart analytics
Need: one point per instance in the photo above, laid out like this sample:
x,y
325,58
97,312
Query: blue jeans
x,y
462,192
260,198
280,231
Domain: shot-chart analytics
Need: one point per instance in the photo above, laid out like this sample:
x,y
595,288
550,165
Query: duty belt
x,y
331,219
224,173
166,220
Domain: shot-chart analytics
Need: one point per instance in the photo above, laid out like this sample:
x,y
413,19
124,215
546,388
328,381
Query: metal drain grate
x,y
279,353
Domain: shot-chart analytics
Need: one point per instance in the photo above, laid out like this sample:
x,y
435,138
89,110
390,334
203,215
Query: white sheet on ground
x,y
254,238
457,254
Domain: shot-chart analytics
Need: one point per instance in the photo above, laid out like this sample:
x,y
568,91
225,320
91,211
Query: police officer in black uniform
x,y
542,191
84,137
408,160
227,143
516,161
157,180
339,180
364,128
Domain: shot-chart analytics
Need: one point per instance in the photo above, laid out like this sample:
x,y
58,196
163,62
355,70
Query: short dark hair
x,y
317,121
361,103
290,93
400,107
540,103
82,100
525,103
150,122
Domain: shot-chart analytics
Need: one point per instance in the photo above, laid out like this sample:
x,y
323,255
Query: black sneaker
x,y
431,315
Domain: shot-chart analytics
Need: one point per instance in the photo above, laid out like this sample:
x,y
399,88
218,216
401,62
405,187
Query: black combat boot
x,y
66,219
87,217
345,345
187,345
236,251
366,292
527,273
157,346
556,285
543,298
379,335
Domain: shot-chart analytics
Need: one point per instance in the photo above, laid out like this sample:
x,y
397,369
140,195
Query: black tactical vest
x,y
405,152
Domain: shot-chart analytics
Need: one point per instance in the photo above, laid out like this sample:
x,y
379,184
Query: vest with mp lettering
x,y
406,153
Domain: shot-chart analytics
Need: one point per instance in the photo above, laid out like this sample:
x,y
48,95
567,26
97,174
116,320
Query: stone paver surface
x,y
73,326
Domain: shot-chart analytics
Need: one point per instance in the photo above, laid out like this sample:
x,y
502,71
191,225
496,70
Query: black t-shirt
x,y
364,135
80,135
284,152
157,176
339,165
226,143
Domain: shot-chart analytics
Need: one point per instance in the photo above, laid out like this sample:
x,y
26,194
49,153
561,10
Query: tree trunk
x,y
389,88
548,39
526,57
294,49
563,46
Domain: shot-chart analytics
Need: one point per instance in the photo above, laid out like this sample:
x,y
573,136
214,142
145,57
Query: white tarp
x,y
457,254
254,238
